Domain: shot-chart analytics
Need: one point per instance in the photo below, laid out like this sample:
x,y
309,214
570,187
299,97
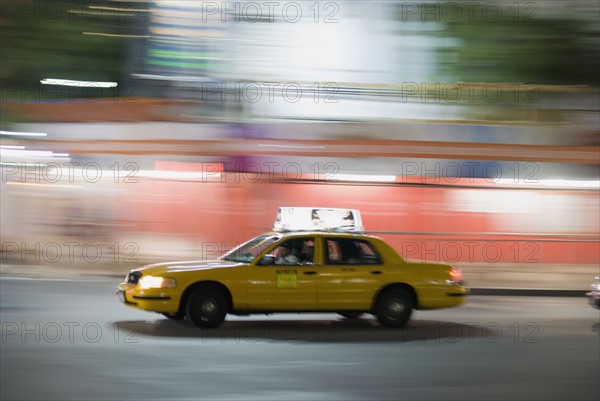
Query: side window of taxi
x,y
293,252
350,251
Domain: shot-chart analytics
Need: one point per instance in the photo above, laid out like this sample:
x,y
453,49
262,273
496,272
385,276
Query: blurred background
x,y
141,131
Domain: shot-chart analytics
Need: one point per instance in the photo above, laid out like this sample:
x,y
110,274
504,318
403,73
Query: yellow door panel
x,y
351,273
288,281
281,288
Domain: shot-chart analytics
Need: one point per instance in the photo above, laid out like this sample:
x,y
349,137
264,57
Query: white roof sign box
x,y
318,219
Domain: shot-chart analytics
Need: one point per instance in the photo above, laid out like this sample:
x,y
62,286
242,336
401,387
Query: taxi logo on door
x,y
287,279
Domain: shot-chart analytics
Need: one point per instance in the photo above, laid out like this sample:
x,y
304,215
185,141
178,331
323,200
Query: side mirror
x,y
267,260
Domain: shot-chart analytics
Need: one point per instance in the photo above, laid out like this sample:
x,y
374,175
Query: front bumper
x,y
161,300
456,296
594,295
594,298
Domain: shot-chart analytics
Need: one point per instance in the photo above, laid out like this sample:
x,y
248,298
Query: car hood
x,y
185,266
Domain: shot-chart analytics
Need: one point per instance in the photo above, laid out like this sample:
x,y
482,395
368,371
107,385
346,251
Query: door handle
x,y
376,272
311,273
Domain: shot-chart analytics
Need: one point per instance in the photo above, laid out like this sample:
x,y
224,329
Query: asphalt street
x,y
73,340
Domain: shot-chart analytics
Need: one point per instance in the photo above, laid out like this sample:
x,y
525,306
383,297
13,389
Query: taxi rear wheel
x,y
394,307
207,307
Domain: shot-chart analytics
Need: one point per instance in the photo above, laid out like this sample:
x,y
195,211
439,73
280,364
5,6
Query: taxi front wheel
x,y
207,307
393,308
175,316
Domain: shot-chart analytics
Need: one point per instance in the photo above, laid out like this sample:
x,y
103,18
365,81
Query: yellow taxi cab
x,y
321,270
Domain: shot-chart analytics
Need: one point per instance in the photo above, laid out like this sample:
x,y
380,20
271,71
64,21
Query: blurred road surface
x,y
72,340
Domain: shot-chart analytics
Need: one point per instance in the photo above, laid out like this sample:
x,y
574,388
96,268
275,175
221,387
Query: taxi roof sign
x,y
318,219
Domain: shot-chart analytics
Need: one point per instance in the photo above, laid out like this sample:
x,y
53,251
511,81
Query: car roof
x,y
283,234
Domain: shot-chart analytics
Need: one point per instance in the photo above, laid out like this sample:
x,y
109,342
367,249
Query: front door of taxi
x,y
288,281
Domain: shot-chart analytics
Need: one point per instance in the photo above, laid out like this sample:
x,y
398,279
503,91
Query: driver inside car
x,y
286,256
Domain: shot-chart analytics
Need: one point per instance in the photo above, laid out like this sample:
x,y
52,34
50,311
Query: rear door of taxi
x,y
350,273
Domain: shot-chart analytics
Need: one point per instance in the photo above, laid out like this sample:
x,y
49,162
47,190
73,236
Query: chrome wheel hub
x,y
396,308
208,307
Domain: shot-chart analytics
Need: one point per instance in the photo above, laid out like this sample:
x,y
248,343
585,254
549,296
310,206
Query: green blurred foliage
x,y
43,39
522,48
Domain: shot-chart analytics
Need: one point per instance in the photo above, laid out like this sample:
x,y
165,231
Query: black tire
x,y
175,316
207,307
394,307
351,314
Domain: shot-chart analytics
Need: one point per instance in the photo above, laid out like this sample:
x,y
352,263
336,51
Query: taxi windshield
x,y
246,252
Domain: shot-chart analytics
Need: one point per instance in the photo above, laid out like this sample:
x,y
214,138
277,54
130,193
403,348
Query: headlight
x,y
157,282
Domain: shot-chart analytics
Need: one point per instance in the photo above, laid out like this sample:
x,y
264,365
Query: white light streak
x,y
13,133
70,82
363,177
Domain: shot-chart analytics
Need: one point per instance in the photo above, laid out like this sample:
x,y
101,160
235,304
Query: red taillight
x,y
456,274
